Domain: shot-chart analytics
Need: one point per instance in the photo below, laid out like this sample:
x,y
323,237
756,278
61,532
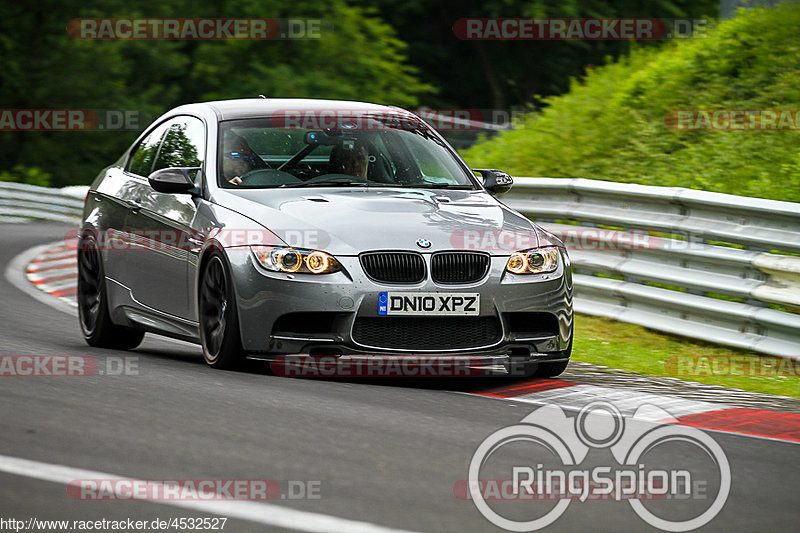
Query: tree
x,y
44,68
503,74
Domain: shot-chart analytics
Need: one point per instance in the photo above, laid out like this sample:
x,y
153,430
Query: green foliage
x,y
611,125
508,74
29,175
360,58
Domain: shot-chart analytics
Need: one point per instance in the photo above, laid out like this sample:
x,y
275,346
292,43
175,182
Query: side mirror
x,y
495,181
174,180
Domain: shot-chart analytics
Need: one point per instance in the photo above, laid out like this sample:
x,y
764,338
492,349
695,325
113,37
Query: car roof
x,y
259,107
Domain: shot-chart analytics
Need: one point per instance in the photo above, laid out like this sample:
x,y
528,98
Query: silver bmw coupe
x,y
261,228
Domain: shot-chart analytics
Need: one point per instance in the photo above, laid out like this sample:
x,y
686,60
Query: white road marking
x,y
262,513
626,400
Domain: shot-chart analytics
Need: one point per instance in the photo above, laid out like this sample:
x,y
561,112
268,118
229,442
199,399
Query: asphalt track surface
x,y
385,453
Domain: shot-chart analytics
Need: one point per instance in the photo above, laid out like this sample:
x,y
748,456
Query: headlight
x,y
284,259
535,261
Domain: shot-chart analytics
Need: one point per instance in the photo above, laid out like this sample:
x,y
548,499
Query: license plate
x,y
429,303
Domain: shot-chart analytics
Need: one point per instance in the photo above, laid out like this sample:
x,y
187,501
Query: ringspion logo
x,y
695,469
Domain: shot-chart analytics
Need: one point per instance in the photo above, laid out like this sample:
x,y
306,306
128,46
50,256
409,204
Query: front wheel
x,y
96,325
219,321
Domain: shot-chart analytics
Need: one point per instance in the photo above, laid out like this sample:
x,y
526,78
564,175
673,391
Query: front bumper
x,y
263,297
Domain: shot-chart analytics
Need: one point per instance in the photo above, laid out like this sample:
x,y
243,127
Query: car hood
x,y
349,221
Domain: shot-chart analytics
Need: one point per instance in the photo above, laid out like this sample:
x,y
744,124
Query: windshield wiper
x,y
326,183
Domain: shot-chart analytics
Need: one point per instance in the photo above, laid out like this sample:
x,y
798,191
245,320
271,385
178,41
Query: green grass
x,y
612,124
622,346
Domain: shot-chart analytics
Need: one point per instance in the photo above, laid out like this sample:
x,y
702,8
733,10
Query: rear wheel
x,y
219,321
96,325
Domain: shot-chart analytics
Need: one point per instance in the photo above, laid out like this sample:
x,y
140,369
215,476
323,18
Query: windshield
x,y
363,150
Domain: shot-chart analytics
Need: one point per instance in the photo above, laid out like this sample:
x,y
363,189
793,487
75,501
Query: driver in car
x,y
352,161
238,158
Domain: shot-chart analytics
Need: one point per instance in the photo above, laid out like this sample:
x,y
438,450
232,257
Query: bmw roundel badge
x,y
423,243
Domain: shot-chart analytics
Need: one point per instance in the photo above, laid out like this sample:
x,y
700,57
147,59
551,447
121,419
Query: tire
x,y
218,317
96,325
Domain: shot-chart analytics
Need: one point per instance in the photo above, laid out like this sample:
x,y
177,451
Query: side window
x,y
142,160
184,144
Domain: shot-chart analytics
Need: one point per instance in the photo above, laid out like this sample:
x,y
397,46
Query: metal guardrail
x,y
20,202
692,263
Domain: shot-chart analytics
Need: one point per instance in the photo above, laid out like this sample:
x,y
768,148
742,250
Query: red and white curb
x,y
55,271
764,423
